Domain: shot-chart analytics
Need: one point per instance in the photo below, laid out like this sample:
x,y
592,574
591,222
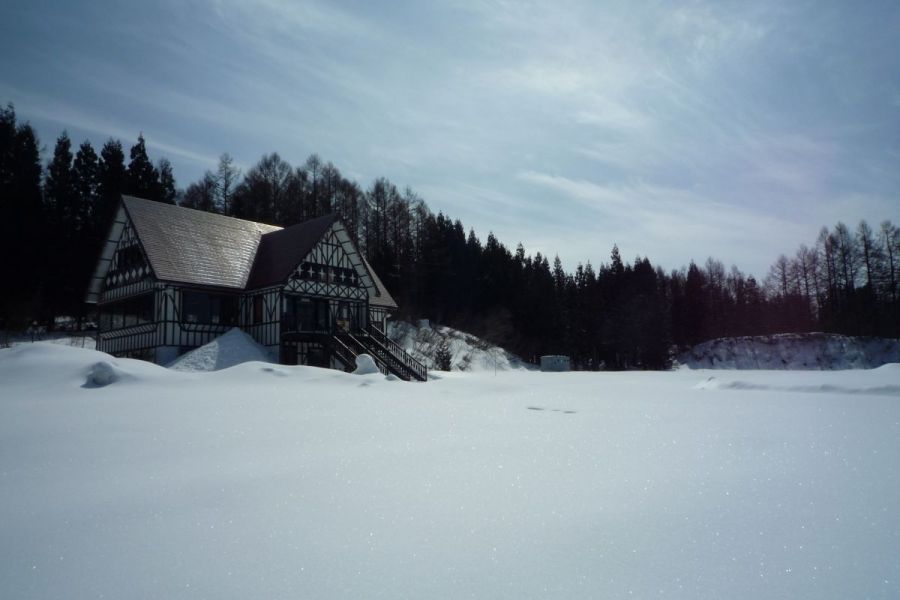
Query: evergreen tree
x,y
21,221
695,309
111,185
60,198
142,179
86,182
61,204
443,358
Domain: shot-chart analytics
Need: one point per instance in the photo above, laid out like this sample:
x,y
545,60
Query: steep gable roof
x,y
281,251
192,246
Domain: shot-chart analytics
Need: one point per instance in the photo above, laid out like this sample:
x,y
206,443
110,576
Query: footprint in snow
x,y
559,410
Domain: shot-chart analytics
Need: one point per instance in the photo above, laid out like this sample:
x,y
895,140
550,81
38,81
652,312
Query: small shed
x,y
555,363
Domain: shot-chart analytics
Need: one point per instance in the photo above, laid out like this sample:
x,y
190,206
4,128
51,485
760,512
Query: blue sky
x,y
676,130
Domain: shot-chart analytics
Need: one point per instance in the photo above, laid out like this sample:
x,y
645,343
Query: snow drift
x,y
808,351
467,352
365,365
229,349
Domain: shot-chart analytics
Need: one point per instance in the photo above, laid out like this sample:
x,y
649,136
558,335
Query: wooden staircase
x,y
388,356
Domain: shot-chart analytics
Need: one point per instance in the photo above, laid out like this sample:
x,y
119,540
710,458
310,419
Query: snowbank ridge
x,y
793,351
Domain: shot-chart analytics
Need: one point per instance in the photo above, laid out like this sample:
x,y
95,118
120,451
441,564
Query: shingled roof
x,y
192,246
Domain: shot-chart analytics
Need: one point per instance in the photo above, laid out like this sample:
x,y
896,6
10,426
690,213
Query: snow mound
x,y
46,362
467,352
229,349
789,351
365,365
102,374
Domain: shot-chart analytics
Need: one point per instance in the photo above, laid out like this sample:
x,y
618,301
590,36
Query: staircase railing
x,y
388,356
344,353
417,369
383,356
354,346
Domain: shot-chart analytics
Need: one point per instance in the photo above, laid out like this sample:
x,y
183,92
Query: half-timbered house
x,y
171,279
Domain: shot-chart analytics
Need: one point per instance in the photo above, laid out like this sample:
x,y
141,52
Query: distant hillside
x,y
808,351
467,352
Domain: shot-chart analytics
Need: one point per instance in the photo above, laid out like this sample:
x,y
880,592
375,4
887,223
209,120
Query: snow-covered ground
x,y
265,481
817,351
467,352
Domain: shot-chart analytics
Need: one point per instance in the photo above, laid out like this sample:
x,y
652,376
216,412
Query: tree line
x,y
55,218
618,314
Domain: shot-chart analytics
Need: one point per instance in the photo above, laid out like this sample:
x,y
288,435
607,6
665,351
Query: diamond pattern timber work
x,y
129,265
327,271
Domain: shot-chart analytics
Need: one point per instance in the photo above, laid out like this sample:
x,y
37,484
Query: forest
x,y
615,314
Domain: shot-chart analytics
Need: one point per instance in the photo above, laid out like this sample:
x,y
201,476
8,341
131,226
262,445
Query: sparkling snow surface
x,y
264,481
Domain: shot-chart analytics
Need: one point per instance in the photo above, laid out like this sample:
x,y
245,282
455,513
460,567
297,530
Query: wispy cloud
x,y
677,131
671,225
98,126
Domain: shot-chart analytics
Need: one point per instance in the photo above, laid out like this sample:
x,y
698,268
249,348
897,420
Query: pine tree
x,y
616,262
21,221
111,183
142,179
63,207
59,187
443,358
86,183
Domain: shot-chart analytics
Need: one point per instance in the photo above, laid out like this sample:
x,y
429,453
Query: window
x,y
322,321
128,258
257,309
343,316
305,315
214,309
127,313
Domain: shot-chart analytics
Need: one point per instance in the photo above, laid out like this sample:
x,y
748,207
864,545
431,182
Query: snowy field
x,y
263,481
